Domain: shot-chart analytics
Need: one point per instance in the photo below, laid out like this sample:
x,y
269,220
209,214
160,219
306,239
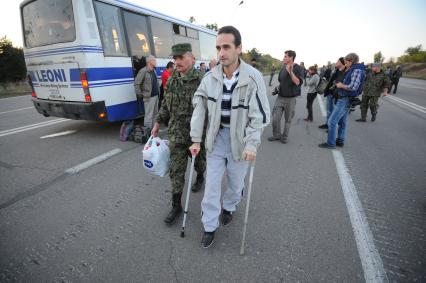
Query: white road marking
x,y
408,103
15,97
93,161
31,127
10,111
59,134
370,259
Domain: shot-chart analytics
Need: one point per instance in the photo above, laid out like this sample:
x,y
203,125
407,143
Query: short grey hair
x,y
150,58
352,57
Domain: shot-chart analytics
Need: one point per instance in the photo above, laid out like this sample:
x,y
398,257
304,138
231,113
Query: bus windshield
x,y
48,22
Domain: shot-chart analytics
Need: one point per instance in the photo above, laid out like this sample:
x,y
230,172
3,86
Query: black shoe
x,y
361,120
323,126
207,239
373,118
283,140
198,185
176,210
226,217
326,145
273,138
339,143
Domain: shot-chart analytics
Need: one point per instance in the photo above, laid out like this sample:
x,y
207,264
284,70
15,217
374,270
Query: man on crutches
x,y
233,97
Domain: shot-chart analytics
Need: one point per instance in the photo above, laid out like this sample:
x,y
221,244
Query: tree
x,y
254,53
378,57
192,20
413,50
212,26
12,63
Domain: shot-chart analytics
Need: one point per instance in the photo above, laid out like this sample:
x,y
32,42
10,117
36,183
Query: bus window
x,y
48,22
207,46
163,37
111,29
137,34
192,33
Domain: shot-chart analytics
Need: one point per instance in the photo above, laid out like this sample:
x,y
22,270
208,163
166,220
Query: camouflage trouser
x,y
179,154
373,101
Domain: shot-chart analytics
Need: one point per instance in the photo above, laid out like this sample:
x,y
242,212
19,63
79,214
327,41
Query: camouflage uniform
x,y
176,111
375,83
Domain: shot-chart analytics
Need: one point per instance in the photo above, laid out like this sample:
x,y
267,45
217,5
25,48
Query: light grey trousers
x,y
151,110
288,106
219,161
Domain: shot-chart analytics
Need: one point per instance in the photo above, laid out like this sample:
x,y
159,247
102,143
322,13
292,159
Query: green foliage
x,y
12,63
413,55
212,26
378,57
264,61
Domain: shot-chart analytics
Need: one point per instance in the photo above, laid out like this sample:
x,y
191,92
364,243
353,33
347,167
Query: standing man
x,y
273,69
164,77
146,87
376,83
233,97
330,91
396,75
350,87
176,111
203,68
290,78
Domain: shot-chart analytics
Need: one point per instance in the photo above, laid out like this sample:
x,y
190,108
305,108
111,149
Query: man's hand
x,y
340,85
195,148
155,129
385,93
249,155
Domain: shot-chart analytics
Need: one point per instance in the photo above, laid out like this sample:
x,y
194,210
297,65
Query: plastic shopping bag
x,y
156,156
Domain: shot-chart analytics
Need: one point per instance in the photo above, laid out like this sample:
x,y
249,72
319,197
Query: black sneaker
x,y
326,145
207,239
226,217
323,126
273,138
339,143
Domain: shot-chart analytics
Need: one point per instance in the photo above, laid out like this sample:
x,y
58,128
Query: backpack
x,y
125,130
139,134
322,84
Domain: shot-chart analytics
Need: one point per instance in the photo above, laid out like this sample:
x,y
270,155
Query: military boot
x,y
198,184
176,209
373,117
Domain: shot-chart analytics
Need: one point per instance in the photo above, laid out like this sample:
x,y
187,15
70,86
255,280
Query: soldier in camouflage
x,y
176,112
376,83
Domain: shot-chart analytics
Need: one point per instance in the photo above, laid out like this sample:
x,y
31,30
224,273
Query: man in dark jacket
x,y
376,83
290,78
396,75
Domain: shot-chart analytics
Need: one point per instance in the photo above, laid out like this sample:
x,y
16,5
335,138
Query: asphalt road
x,y
105,223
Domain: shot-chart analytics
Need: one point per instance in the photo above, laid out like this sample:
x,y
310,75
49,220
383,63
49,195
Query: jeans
x,y
338,117
330,105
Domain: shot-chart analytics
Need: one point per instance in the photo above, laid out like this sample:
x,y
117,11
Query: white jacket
x,y
250,112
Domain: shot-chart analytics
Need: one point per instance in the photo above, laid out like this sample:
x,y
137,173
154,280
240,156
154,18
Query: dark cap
x,y
180,49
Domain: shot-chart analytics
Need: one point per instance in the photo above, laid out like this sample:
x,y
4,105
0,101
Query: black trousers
x,y
393,83
309,101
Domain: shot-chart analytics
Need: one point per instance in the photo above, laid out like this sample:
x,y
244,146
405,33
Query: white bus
x,y
82,55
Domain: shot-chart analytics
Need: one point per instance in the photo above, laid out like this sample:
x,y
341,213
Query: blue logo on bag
x,y
148,163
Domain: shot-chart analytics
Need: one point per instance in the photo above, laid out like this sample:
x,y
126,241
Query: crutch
x,y
247,206
185,211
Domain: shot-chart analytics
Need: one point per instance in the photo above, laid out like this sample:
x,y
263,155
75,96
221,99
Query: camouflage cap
x,y
180,49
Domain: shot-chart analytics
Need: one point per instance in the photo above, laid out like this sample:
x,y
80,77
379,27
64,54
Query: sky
x,y
319,31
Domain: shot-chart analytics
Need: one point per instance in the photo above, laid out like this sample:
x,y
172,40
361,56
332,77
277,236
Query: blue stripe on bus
x,y
103,74
94,85
124,111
